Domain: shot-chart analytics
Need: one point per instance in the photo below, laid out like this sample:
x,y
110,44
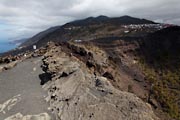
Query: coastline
x,y
6,46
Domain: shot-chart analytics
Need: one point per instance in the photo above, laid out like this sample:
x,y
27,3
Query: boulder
x,y
10,65
108,75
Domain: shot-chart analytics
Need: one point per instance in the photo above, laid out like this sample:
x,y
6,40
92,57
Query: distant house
x,y
127,31
77,41
34,47
20,47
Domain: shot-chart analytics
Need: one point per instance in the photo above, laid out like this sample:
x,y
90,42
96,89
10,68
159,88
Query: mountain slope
x,y
39,36
106,20
149,66
160,56
19,42
162,47
70,30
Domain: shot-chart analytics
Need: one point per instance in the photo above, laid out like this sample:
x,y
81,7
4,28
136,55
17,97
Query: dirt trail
x,y
20,90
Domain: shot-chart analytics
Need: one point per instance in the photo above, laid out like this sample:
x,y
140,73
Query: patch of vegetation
x,y
166,87
92,30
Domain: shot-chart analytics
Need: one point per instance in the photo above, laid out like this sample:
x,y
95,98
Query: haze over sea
x,y
6,46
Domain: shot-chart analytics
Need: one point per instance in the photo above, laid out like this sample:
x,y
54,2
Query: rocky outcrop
x,y
74,93
8,66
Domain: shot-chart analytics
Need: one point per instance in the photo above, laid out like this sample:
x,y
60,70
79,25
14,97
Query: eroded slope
x,y
74,92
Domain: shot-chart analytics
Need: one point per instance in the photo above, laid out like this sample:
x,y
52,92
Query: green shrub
x,y
163,88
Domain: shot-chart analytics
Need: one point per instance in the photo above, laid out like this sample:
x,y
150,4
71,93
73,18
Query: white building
x,y
77,41
34,47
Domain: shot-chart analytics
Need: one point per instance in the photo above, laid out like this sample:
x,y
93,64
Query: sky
x,y
25,18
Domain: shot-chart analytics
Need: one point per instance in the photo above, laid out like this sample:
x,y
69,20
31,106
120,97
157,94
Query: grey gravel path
x,y
22,82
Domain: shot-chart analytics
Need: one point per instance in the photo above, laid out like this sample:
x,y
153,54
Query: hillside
x,y
152,61
39,36
89,25
92,28
163,47
124,20
18,42
159,57
135,55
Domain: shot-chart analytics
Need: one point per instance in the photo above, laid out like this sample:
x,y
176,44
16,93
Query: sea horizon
x,y
6,46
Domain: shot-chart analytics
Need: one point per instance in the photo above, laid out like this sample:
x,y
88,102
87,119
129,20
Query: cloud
x,y
26,18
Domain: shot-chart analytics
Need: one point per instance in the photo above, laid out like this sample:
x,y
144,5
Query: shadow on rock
x,y
44,77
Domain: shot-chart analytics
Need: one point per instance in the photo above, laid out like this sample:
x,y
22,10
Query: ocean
x,y
5,46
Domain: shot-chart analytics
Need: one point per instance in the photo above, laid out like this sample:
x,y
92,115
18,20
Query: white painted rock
x,y
19,116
